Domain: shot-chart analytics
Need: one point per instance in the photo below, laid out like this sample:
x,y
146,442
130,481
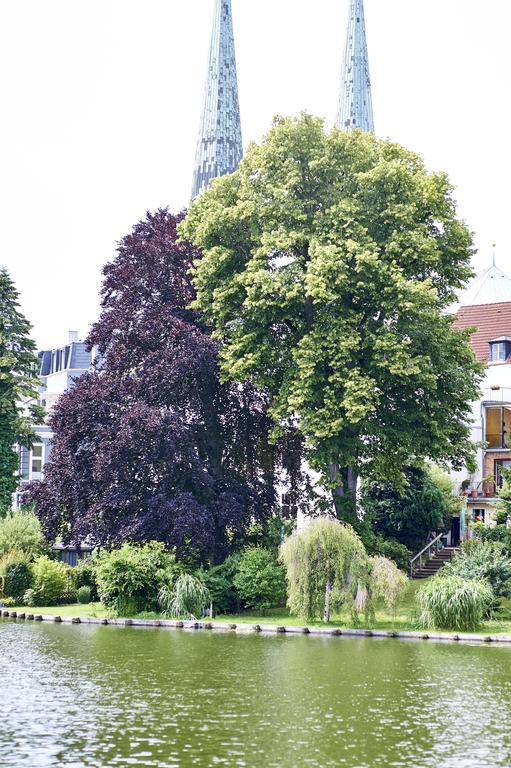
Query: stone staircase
x,y
432,566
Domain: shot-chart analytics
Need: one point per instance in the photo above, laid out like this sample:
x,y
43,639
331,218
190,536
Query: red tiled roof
x,y
491,321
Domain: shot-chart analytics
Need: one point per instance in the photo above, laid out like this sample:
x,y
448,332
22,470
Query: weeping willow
x,y
388,583
327,567
186,598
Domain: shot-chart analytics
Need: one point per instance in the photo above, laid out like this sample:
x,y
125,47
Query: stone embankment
x,y
269,629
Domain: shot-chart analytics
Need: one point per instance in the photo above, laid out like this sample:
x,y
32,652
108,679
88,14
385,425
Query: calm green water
x,y
104,696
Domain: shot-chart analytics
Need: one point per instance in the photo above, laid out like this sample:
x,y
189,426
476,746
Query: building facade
x,y
486,306
58,371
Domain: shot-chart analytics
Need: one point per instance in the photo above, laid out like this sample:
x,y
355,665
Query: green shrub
x,y
84,595
7,602
219,580
20,531
29,598
85,577
18,578
483,560
450,602
129,579
16,573
376,544
260,580
501,534
51,581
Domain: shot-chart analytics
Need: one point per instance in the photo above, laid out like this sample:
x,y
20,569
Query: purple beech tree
x,y
150,444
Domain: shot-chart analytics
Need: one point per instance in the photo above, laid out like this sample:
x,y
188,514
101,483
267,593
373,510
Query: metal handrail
x,y
427,548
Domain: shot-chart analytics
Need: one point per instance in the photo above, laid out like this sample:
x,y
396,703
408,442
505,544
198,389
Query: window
x,y
500,465
498,351
478,515
498,427
36,462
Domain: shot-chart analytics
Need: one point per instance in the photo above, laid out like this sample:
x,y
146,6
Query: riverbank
x,y
402,621
249,626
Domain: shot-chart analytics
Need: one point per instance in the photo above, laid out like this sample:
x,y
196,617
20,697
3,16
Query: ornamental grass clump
x,y
326,567
451,602
185,599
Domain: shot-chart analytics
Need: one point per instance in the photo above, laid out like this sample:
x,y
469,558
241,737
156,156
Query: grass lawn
x,y
280,616
92,610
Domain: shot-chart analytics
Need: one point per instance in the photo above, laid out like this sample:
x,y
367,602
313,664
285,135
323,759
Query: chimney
x,y
73,336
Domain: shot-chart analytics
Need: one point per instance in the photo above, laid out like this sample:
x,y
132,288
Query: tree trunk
x,y
344,491
326,612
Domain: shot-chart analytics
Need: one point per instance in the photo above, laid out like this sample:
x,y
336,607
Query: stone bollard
x,y
21,615
30,616
12,614
232,626
76,621
336,632
208,625
104,621
256,627
306,631
38,617
58,619
128,622
179,625
281,630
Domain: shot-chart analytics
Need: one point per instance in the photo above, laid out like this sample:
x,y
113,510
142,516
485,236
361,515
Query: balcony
x,y
484,489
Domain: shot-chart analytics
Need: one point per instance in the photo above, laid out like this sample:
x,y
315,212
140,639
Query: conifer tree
x,y
18,385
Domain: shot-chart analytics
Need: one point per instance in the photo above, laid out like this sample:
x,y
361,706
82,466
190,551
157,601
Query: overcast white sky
x,y
101,100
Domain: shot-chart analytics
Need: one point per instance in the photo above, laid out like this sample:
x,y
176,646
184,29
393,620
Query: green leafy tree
x,y
407,514
329,261
327,567
18,386
260,579
219,580
20,531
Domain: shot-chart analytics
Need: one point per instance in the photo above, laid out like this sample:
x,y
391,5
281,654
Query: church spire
x,y
355,103
219,148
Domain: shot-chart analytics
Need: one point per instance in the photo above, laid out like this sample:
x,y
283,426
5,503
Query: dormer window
x,y
500,349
